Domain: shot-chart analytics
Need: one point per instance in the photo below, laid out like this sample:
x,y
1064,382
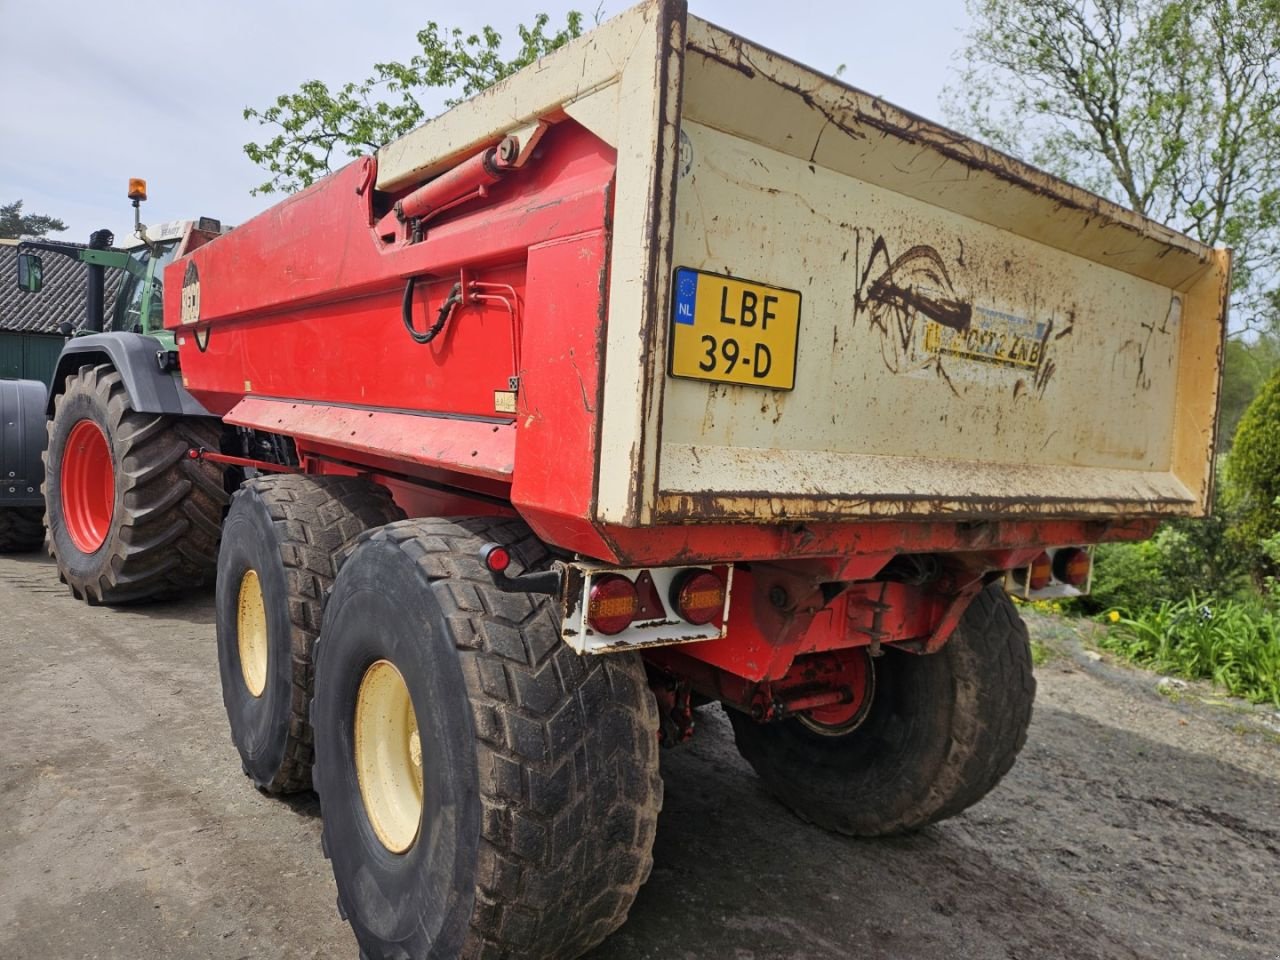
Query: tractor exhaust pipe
x,y
95,309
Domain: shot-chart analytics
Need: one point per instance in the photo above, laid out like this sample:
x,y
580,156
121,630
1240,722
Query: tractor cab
x,y
138,307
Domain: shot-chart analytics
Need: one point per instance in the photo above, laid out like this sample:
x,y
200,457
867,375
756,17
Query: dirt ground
x,y
1134,825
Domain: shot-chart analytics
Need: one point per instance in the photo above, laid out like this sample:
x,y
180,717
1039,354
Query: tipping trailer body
x,y
783,382
983,356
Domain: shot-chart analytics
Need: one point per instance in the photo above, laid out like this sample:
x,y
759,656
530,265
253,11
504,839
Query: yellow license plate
x,y
729,330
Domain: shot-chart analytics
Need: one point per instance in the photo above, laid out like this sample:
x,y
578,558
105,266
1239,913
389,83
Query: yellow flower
x,y
1113,616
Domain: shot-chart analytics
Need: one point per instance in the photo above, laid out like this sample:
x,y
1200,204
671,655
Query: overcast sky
x,y
95,93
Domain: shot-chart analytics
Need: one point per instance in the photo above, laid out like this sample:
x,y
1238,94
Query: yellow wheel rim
x,y
251,633
388,756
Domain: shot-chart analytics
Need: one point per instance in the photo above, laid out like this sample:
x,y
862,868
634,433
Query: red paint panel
x,y
303,303
560,381
468,446
320,244
761,641
854,548
356,351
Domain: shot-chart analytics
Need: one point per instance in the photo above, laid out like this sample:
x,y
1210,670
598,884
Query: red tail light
x,y
1041,572
698,596
1071,566
612,604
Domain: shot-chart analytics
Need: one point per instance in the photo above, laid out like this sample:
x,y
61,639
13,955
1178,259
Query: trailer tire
x,y
130,516
941,732
281,545
21,529
538,783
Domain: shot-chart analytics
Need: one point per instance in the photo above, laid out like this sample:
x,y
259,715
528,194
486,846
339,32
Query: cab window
x,y
129,303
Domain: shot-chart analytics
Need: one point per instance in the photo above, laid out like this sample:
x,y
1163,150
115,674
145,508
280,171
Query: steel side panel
x,y
559,399
465,446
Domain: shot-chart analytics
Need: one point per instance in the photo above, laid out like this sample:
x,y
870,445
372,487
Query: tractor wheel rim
x,y
88,486
388,756
251,633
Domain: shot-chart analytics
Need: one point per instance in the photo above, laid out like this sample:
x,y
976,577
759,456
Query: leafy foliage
x,y
1246,366
319,128
1126,576
1254,471
1236,644
1184,557
1171,107
14,225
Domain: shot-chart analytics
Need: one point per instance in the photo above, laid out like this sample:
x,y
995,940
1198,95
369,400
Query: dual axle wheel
x,y
488,792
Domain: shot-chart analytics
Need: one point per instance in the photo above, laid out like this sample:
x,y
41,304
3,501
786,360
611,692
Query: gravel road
x,y
1132,826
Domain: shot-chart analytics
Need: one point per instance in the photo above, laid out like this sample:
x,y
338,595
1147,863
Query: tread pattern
x,y
944,753
317,519
171,508
21,529
994,702
567,750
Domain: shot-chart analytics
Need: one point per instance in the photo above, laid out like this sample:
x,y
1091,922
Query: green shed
x,y
28,356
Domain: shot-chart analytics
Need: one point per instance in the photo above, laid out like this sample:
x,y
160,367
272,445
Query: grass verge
x,y
1233,643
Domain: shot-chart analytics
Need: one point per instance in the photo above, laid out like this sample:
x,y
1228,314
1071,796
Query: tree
x,y
319,127
15,226
1171,107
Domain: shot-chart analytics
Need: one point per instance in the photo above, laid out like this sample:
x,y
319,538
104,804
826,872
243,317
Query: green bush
x,y
1253,469
1234,643
1184,557
1126,576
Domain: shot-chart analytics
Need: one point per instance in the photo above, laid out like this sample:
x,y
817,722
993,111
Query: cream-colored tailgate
x,y
951,359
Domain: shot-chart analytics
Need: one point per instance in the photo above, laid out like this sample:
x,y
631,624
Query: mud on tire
x,y
539,768
285,535
941,732
21,529
166,509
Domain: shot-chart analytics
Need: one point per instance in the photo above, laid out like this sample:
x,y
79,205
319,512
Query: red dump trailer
x,y
665,372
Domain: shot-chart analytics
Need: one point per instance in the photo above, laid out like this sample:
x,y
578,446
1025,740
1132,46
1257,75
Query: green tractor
x,y
127,514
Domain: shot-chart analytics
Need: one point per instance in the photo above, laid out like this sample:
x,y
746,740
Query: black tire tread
x,y
21,529
1002,708
317,519
544,890
989,660
172,505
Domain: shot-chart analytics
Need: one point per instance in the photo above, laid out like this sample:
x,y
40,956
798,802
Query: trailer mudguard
x,y
22,440
137,358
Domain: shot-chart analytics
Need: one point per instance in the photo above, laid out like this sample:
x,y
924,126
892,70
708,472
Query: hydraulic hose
x,y
446,311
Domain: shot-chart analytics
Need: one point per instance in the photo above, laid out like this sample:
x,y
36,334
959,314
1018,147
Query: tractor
x,y
128,516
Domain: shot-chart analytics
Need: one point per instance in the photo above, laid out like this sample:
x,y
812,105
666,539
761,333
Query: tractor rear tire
x,y
281,545
538,792
941,732
21,529
130,516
